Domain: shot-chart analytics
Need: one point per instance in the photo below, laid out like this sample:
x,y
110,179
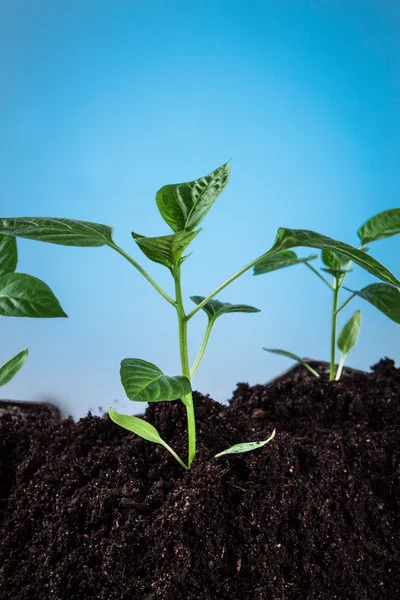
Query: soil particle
x,y
90,511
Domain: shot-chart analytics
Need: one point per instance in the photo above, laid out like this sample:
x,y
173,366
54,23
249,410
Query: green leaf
x,y
384,297
11,368
66,232
246,446
280,260
167,249
337,272
332,260
382,225
136,425
289,238
144,382
8,254
215,308
349,335
184,205
25,296
294,357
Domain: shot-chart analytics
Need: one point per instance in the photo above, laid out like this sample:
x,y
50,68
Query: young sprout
x,y
383,295
21,296
183,206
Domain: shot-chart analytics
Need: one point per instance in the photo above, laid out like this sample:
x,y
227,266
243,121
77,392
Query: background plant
x,y
384,296
21,295
183,206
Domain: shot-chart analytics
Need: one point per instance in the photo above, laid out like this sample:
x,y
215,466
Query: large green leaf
x,y
167,249
290,238
215,308
11,367
280,260
349,335
25,296
246,446
294,357
8,254
382,225
384,297
144,382
184,205
66,232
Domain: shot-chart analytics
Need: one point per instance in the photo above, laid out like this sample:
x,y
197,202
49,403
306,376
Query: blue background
x,y
105,101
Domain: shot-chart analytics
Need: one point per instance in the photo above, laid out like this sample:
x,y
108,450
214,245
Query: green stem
x,y
142,272
345,303
183,349
175,455
333,330
319,275
203,348
340,367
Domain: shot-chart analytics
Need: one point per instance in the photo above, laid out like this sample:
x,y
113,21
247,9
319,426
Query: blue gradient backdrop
x,y
105,101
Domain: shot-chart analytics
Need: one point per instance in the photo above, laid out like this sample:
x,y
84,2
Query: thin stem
x,y
183,349
175,455
333,330
345,303
202,348
340,367
142,272
318,274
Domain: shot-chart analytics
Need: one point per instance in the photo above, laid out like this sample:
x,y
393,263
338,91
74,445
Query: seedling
x,y
384,296
21,296
183,206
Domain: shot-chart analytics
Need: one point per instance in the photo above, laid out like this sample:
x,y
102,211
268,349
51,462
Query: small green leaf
x,y
167,249
215,308
11,368
246,446
382,225
66,232
336,272
294,357
280,260
25,296
289,238
136,425
349,335
332,260
384,297
8,254
144,382
184,205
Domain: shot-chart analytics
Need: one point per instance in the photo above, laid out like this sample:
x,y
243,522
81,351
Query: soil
x,y
90,511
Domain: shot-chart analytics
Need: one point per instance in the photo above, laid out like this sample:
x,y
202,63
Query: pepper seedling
x,y
384,296
183,206
21,295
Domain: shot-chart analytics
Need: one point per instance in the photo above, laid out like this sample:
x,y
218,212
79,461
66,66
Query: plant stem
x,y
333,329
319,275
345,303
340,367
202,348
174,454
143,272
183,349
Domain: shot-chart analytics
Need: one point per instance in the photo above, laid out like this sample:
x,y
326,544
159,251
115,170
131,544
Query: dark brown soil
x,y
90,511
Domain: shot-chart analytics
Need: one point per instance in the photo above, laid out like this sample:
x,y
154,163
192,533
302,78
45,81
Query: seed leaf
x,y
11,367
167,249
184,205
246,446
215,308
382,225
136,425
332,260
384,297
66,232
25,296
294,357
144,382
349,335
286,258
8,254
289,238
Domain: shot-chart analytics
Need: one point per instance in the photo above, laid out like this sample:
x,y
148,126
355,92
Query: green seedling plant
x,y
384,295
21,295
183,207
